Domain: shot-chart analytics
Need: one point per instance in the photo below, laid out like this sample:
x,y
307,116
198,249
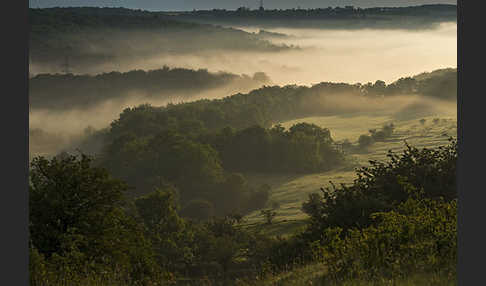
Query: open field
x,y
290,191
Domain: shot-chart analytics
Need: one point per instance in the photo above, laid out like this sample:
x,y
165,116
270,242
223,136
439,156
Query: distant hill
x,y
90,36
68,91
348,17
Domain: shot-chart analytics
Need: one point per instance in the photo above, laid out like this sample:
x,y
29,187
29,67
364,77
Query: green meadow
x,y
289,191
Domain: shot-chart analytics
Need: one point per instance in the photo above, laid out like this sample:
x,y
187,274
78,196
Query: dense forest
x,y
208,165
87,36
69,91
348,17
397,219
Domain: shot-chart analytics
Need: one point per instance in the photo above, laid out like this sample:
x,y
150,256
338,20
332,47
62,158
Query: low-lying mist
x,y
344,55
323,55
75,120
70,126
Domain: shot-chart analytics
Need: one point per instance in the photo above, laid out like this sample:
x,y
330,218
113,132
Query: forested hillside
x,y
90,36
68,91
348,17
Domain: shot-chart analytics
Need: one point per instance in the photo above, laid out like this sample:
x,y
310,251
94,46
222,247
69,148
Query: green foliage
x,y
200,164
192,167
419,236
364,141
381,186
170,237
78,224
303,148
389,225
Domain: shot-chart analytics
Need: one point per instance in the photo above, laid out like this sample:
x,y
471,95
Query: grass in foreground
x,y
315,274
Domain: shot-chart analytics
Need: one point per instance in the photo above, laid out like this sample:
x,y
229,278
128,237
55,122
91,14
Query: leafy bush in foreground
x,y
381,187
78,226
420,236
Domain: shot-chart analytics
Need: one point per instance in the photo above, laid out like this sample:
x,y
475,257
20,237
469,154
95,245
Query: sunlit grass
x,y
289,191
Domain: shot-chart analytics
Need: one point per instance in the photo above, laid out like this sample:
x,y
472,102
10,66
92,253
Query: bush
x,y
269,215
365,141
382,186
78,223
420,236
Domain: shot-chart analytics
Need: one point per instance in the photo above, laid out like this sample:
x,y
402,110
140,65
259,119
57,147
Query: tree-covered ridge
x,y
348,17
205,167
55,20
98,35
273,104
66,91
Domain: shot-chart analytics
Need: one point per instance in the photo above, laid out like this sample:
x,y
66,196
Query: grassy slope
x,y
290,191
313,274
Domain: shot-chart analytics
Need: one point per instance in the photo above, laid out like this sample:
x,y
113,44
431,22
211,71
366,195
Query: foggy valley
x,y
233,147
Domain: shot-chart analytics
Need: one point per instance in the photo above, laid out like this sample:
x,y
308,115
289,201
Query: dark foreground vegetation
x,y
398,218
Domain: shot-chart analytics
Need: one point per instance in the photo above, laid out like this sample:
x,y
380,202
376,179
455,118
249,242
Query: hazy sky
x,y
180,5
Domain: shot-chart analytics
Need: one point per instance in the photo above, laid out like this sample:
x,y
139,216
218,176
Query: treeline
x,y
273,104
88,36
397,219
68,91
205,166
348,17
302,148
198,146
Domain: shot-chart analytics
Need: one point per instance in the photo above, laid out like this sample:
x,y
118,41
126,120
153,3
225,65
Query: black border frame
x,y
471,240
15,144
471,237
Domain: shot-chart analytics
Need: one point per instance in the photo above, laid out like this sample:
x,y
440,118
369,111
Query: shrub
x,y
269,215
419,236
365,141
382,186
